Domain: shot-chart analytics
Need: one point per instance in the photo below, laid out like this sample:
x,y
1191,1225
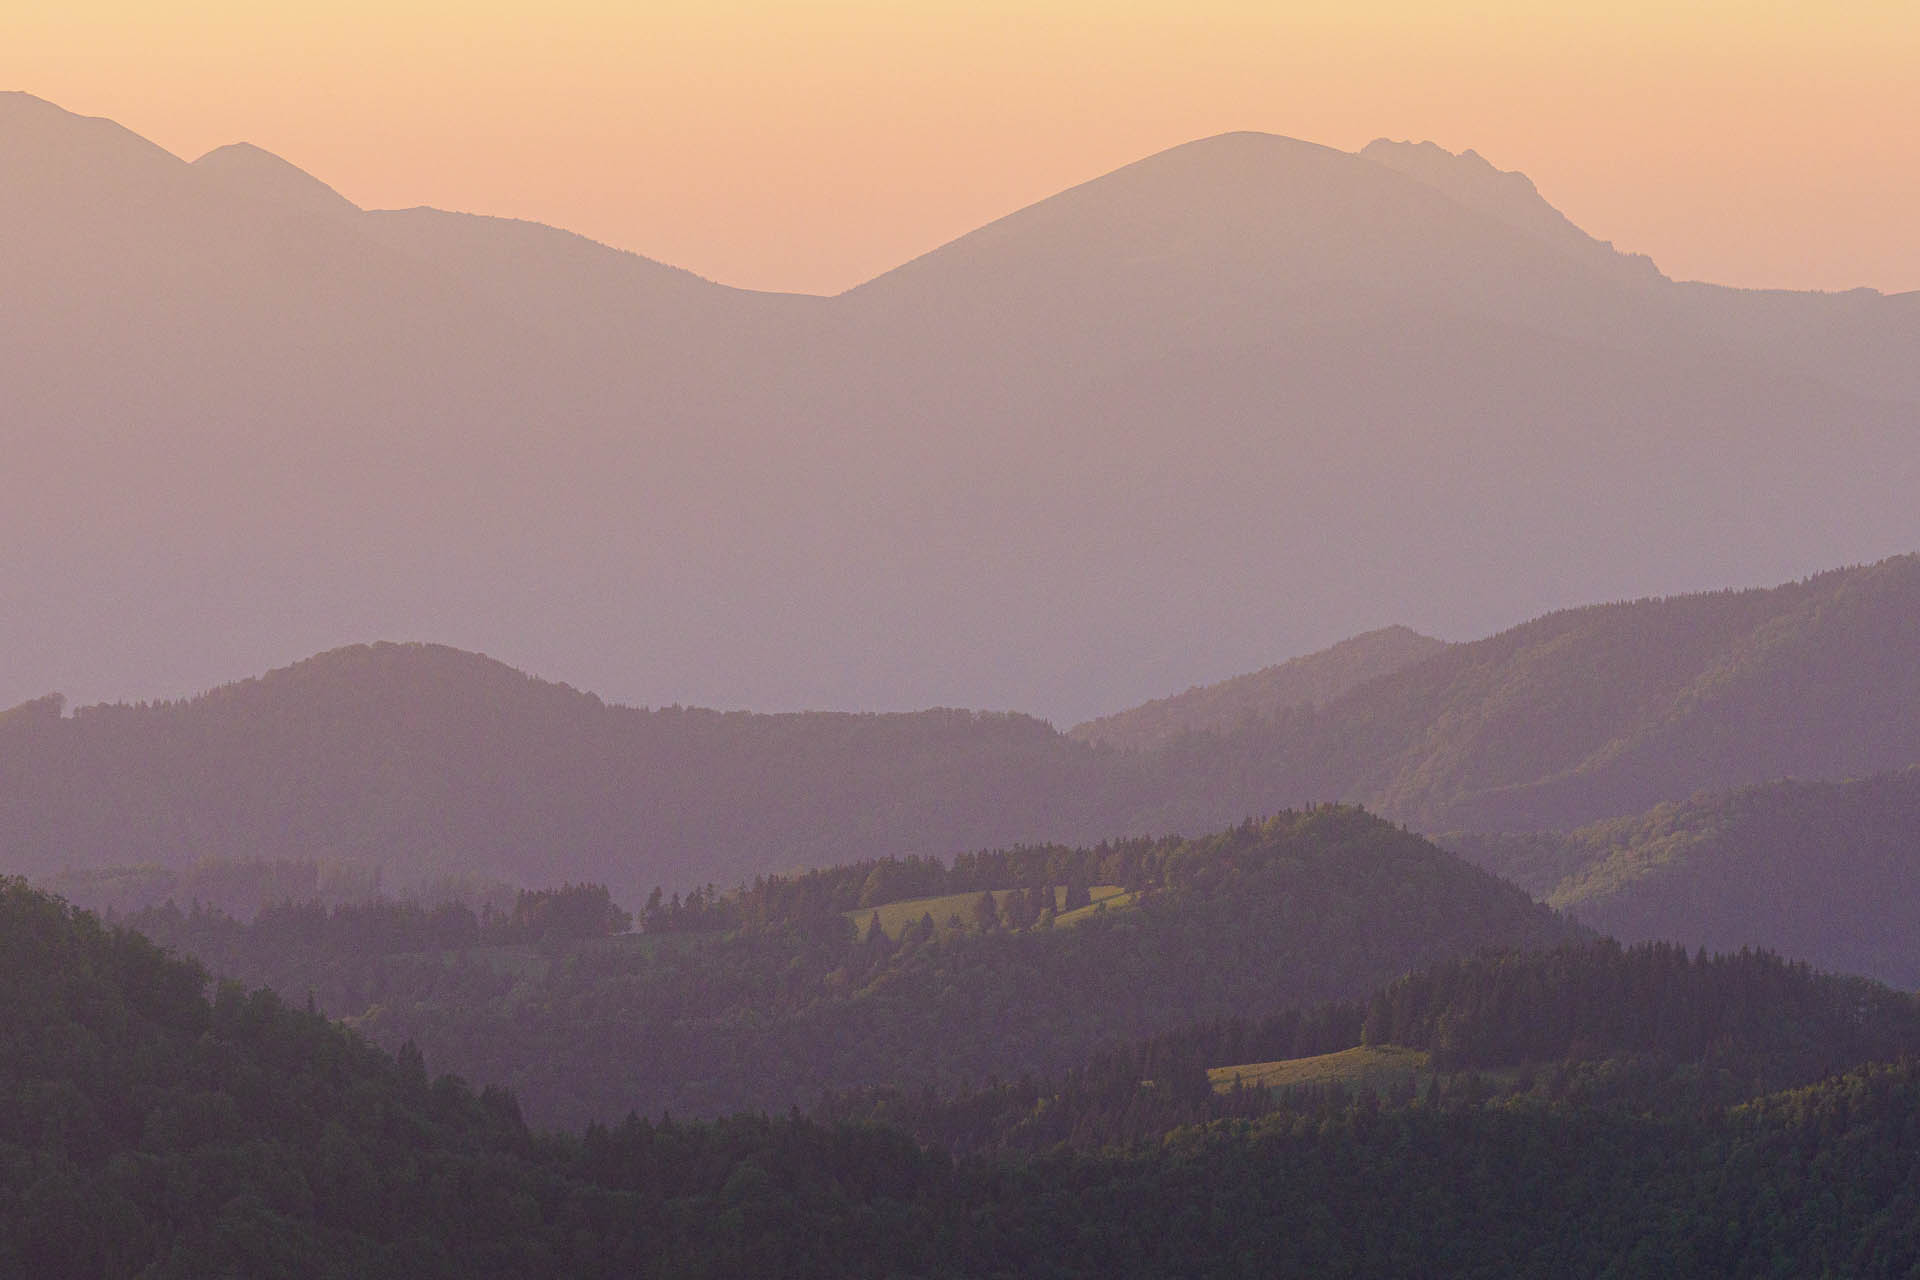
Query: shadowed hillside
x,y
1826,871
1608,710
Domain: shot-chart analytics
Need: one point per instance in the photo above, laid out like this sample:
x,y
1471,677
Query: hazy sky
x,y
785,144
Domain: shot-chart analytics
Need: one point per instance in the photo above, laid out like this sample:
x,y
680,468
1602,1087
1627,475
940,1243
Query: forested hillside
x,y
764,999
147,1130
1609,710
1828,871
1232,704
1649,1029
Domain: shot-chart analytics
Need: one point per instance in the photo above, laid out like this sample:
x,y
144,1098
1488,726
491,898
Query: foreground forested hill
x,y
147,1130
765,999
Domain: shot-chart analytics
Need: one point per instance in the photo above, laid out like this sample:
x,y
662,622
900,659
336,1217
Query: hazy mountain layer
x,y
1230,704
1607,710
1247,396
1822,870
426,762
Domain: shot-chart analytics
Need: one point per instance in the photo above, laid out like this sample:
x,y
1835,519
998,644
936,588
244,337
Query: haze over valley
x,y
1237,401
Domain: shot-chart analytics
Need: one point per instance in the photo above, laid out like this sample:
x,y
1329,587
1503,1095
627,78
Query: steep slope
x,y
1861,340
1509,197
1223,401
1300,682
1820,870
1611,709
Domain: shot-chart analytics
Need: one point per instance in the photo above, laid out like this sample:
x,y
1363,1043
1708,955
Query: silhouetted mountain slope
x,y
261,175
425,759
1304,681
1234,231
1217,404
1611,709
1821,870
1510,198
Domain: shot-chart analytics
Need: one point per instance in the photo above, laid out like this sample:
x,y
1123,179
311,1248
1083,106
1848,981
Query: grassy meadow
x,y
953,912
1374,1065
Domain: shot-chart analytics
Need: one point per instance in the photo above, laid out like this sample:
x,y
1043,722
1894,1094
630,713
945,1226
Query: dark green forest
x,y
768,996
149,1129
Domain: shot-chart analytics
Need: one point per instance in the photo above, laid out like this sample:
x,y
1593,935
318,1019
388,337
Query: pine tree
x,y
986,913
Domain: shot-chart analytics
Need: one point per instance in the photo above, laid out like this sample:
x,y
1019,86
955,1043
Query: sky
x,y
809,146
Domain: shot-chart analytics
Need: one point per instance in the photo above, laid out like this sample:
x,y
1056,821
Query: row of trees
x,y
1750,1007
381,926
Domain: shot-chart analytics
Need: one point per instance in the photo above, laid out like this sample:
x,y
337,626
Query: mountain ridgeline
x,y
1312,680
424,762
1227,403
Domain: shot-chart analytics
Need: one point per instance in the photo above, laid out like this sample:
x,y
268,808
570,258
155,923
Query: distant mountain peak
x,y
19,104
1470,179
34,129
260,175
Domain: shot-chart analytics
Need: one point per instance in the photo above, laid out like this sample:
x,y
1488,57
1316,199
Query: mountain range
x,y
1242,398
425,761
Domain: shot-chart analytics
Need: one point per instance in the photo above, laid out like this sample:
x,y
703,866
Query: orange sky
x,y
789,145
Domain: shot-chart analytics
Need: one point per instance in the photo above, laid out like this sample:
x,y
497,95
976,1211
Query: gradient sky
x,y
787,145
